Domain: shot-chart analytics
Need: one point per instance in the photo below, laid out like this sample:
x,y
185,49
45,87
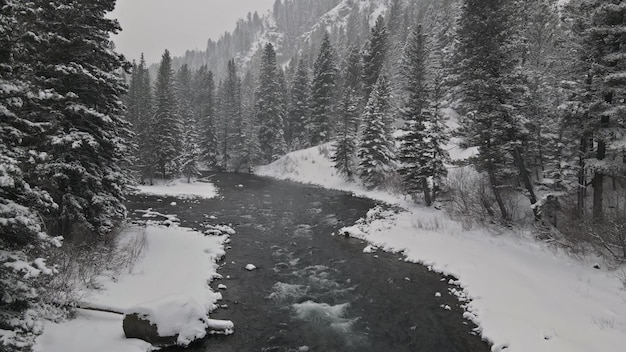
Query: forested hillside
x,y
537,86
532,90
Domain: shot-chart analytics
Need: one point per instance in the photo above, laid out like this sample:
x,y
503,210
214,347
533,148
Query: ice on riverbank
x,y
525,296
176,261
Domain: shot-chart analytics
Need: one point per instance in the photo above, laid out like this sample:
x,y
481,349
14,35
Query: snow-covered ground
x,y
175,262
180,188
524,295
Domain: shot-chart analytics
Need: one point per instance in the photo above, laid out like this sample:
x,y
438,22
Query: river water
x,y
313,291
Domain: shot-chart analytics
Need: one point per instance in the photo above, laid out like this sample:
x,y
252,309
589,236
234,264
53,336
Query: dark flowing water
x,y
313,291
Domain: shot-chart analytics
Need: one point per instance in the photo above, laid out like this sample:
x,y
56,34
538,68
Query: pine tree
x,y
87,139
190,139
375,152
605,40
205,116
270,108
374,58
167,134
299,107
22,205
344,147
488,67
139,113
231,123
421,153
251,151
322,93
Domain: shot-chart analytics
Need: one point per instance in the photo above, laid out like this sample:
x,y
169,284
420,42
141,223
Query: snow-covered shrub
x,y
470,196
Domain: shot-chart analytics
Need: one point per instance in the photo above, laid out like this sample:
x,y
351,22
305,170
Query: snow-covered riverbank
x,y
524,295
174,262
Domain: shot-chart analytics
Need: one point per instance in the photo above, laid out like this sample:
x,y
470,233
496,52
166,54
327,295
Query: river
x,y
313,291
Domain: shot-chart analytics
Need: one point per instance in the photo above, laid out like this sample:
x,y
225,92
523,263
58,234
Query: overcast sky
x,y
151,26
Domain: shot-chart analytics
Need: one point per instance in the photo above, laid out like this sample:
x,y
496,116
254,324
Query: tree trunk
x,y
427,194
598,184
496,192
523,172
582,182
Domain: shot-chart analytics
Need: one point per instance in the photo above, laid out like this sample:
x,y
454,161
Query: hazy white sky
x,y
151,26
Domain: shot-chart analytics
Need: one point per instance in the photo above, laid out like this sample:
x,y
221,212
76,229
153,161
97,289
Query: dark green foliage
x,y
322,94
374,58
270,108
344,147
167,136
421,151
375,153
205,116
299,108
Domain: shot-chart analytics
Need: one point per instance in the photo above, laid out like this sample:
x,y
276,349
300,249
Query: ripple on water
x,y
284,292
329,318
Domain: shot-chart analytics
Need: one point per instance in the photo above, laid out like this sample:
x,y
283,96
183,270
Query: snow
x,y
174,270
250,267
181,189
523,294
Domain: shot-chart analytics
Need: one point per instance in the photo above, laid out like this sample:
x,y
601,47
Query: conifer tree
x,y
87,137
205,116
605,41
374,58
139,113
23,206
270,108
375,152
299,107
231,123
167,135
344,147
488,64
421,153
322,93
250,151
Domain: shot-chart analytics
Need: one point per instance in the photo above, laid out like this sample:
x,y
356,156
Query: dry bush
x,y
470,196
81,265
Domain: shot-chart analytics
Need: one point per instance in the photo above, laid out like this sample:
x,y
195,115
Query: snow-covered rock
x,y
250,267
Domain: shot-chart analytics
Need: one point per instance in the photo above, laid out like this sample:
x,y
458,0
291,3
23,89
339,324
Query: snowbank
x,y
176,261
180,188
524,295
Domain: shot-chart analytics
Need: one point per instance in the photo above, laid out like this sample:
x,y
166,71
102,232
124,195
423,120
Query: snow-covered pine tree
x,y
139,113
322,93
421,153
250,152
375,152
22,205
205,110
299,107
190,144
375,54
353,70
270,108
86,171
344,146
167,133
490,122
231,124
605,40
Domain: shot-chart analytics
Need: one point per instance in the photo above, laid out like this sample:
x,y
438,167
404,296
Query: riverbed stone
x,y
139,327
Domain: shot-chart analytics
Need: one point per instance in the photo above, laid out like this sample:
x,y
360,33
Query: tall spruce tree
x,y
270,108
605,40
345,145
167,133
322,93
421,153
375,152
139,113
299,107
491,124
87,139
23,206
205,116
374,58
231,123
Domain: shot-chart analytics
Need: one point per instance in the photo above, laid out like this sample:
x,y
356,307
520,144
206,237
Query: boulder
x,y
138,326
